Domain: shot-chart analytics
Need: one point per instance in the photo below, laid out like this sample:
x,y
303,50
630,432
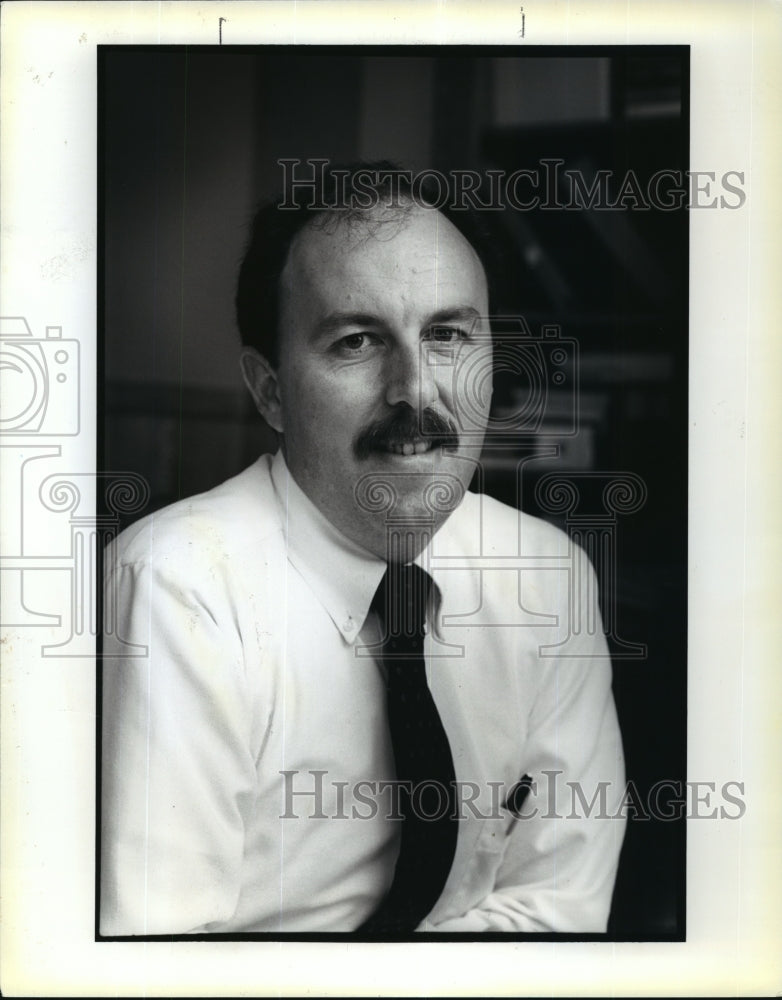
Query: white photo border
x,y
49,239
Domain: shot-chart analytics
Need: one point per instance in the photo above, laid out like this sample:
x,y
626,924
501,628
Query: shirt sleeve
x,y
561,854
177,768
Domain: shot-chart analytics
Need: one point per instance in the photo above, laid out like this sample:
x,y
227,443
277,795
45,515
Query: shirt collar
x,y
342,575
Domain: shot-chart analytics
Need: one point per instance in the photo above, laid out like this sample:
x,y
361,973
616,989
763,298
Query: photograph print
x,y
393,381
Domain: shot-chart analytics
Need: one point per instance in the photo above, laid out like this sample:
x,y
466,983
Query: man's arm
x,y
560,856
176,767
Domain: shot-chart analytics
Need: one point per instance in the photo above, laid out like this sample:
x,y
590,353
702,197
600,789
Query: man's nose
x,y
410,377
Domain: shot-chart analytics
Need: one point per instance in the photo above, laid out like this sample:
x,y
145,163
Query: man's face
x,y
384,381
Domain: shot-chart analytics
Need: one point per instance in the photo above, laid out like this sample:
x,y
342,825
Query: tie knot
x,y
401,600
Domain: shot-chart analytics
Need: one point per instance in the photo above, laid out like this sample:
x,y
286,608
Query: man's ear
x,y
261,379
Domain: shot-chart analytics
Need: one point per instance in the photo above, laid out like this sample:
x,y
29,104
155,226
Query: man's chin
x,y
410,490
449,463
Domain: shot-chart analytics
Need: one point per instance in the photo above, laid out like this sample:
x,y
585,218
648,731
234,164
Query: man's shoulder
x,y
226,520
502,527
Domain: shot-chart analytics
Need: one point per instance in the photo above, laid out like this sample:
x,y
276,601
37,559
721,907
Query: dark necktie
x,y
424,765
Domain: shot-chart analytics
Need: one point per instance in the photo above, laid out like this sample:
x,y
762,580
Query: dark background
x,y
189,140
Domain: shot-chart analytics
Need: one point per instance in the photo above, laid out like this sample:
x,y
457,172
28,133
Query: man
x,y
346,694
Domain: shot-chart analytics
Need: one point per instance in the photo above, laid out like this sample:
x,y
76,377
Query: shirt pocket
x,y
480,867
493,838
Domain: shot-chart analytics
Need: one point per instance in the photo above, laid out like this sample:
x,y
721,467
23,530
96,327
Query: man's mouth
x,y
403,432
417,447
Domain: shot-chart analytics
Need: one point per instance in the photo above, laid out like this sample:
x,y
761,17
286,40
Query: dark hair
x,y
338,192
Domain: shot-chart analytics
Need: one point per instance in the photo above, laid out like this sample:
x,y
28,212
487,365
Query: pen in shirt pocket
x,y
517,796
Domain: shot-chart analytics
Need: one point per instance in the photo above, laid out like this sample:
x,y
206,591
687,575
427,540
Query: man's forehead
x,y
395,235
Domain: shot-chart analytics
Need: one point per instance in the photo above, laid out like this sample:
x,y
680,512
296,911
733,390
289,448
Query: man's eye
x,y
445,334
354,342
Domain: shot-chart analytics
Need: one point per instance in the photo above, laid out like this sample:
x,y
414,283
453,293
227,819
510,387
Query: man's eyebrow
x,y
455,314
339,320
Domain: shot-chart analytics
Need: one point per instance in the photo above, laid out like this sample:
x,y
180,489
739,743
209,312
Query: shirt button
x,y
349,625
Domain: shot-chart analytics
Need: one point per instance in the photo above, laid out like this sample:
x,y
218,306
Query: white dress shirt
x,y
247,771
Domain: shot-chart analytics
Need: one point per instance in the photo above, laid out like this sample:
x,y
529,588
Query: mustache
x,y
404,425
